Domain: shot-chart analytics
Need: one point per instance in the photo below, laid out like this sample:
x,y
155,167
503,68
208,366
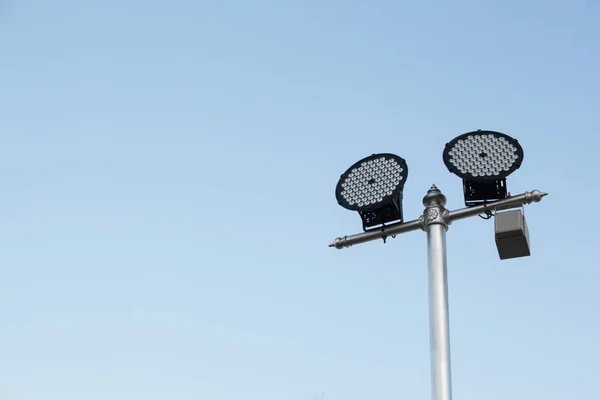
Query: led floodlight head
x,y
483,159
373,187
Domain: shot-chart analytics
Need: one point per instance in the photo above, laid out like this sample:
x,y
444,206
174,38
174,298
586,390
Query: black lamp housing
x,y
483,159
380,216
374,187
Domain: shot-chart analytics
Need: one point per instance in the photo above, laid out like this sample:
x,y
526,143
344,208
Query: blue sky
x,y
168,174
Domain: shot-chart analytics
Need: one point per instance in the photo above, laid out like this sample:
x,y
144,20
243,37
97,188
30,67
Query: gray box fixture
x,y
512,236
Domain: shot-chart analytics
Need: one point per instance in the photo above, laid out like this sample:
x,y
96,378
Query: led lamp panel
x,y
372,182
483,156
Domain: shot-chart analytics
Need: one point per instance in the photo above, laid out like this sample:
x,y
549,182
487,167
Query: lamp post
x,y
435,224
436,220
483,160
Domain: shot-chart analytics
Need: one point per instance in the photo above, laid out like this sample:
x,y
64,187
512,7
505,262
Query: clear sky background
x,y
167,171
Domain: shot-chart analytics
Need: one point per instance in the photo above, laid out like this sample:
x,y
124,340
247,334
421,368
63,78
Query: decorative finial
x,y
535,196
434,196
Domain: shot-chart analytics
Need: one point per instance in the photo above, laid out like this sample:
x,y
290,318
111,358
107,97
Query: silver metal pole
x,y
434,218
435,221
441,387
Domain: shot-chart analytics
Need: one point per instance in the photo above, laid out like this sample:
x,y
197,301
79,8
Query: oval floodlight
x,y
483,159
373,187
483,155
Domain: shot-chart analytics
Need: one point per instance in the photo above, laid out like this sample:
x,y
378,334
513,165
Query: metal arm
x,y
534,196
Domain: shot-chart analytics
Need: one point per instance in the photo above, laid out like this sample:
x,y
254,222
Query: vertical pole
x,y
441,388
435,224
